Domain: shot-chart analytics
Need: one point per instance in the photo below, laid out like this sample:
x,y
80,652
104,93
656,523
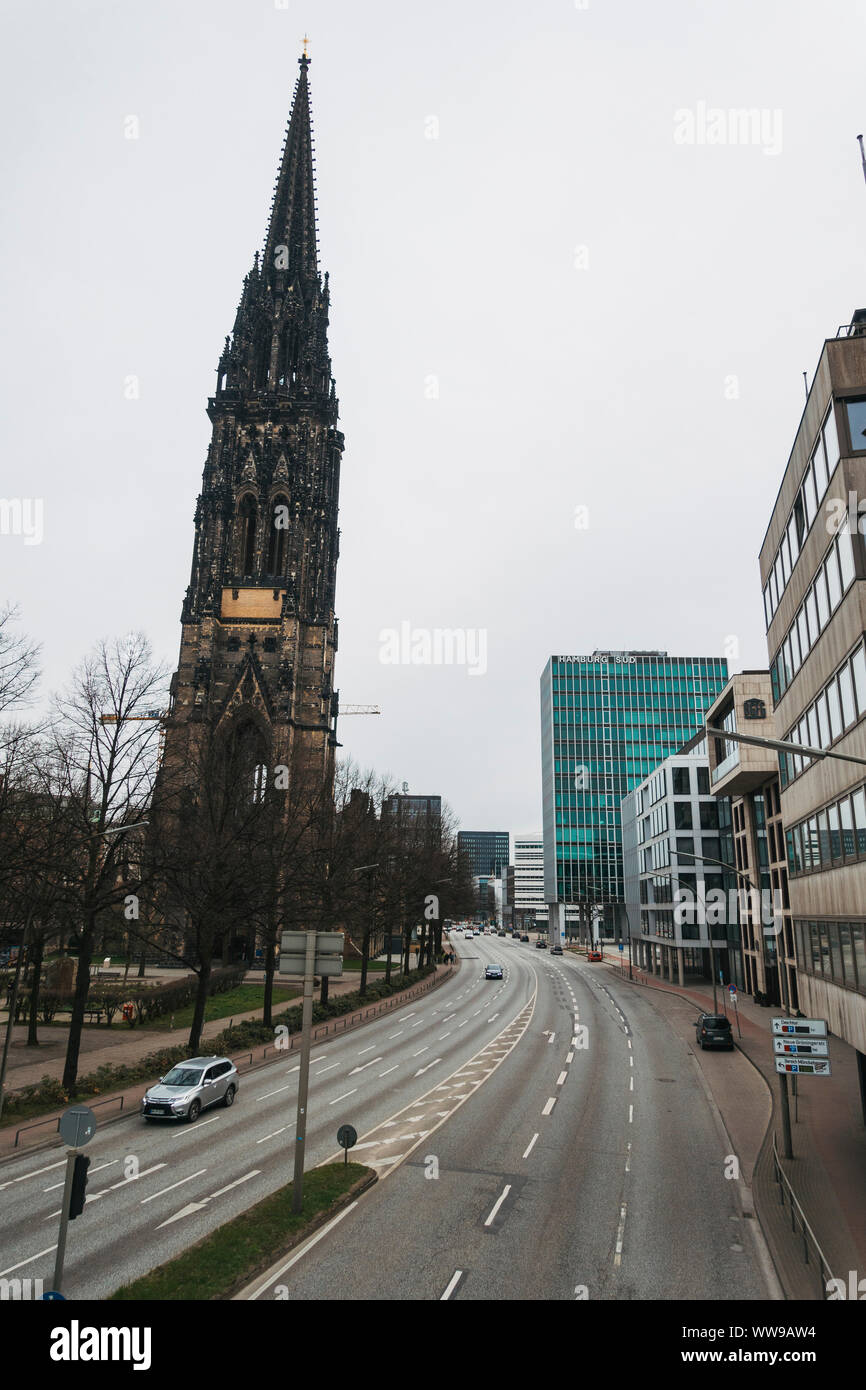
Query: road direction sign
x,y
804,1068
329,953
817,1047
77,1126
800,1027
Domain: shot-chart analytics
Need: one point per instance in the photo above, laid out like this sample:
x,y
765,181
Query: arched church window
x,y
247,535
279,522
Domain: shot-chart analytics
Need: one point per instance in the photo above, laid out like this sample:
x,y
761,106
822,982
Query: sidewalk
x,y
122,1045
828,1170
152,1040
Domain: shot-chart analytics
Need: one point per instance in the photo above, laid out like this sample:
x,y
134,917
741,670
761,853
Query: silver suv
x,y
191,1087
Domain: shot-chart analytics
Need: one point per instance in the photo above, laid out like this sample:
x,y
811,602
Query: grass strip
x,y
235,1253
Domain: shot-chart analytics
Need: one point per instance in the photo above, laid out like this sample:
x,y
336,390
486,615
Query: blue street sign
x,y
620,946
53,1294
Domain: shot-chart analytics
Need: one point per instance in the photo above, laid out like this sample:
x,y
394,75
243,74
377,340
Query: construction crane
x,y
359,709
156,716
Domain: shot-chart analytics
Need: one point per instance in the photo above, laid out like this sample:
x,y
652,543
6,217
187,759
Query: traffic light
x,y
79,1186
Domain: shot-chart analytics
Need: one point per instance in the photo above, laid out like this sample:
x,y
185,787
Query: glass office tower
x,y
607,721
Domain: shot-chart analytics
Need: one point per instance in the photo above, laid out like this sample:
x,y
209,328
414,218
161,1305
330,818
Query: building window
x,y
855,412
682,815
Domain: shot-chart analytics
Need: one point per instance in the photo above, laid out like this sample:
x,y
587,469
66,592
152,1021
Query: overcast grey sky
x,y
512,216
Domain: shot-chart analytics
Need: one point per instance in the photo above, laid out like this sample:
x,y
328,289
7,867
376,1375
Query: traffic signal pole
x,y
64,1219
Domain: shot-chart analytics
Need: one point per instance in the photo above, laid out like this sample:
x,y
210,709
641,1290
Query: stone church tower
x,y
259,633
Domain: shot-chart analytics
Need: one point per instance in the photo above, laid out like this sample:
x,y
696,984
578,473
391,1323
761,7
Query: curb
x,y
232,1294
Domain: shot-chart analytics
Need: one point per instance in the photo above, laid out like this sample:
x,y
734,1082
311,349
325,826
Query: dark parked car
x,y
541,945
556,950
713,1030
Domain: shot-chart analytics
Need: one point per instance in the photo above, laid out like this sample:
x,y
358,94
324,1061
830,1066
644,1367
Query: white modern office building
x,y
528,859
679,904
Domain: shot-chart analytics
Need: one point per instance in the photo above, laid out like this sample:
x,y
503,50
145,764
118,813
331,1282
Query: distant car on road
x,y
541,945
714,1030
556,950
493,972
524,938
191,1087
595,955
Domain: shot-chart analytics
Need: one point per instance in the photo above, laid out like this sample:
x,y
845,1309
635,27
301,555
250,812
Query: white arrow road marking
x,y
197,1206
371,1063
421,1070
173,1186
492,1020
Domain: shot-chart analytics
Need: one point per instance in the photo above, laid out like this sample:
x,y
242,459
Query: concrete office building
x,y
530,907
813,569
607,721
682,910
746,778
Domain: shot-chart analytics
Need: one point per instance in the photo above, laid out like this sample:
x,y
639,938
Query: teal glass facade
x,y
607,721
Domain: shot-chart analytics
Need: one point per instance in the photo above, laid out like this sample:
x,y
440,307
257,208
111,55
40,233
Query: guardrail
x,y
797,1213
351,1020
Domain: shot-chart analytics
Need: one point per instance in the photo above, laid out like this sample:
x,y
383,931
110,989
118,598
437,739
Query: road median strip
x,y
229,1258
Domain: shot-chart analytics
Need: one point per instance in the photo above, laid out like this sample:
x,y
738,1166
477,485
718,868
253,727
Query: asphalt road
x,y
156,1188
588,1165
543,1136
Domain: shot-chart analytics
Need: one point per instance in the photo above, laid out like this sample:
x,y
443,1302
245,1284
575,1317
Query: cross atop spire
x,y
291,239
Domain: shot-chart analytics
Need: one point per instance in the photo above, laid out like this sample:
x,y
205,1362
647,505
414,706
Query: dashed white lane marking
x,y
449,1018
390,1069
35,1174
452,1285
562,1077
493,1019
395,1035
343,1097
549,1105
420,1050
30,1259
497,1204
629,1042
631,1114
617,1258
628,1158
266,1137
421,1070
92,1171
173,1186
194,1129
530,1146
631,1061
411,1015
444,1035
366,1049
570,1057
372,1062
631,1083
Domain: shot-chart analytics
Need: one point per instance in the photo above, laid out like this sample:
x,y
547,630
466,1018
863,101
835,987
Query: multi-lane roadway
x,y
541,1136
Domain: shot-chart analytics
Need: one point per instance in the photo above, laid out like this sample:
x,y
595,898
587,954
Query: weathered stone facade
x,y
259,632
